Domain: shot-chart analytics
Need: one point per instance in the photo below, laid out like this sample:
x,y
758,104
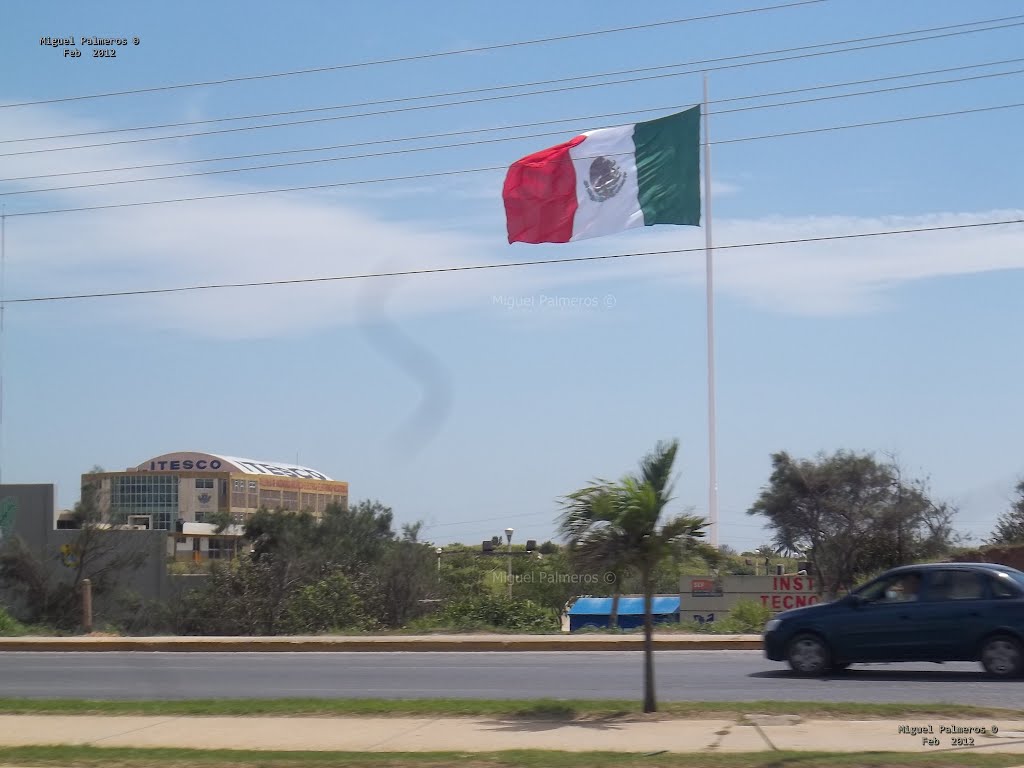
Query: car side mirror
x,y
855,600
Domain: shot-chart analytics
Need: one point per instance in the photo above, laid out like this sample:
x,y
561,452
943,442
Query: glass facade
x,y
155,495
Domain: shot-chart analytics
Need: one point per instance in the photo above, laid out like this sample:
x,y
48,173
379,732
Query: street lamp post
x,y
508,535
439,551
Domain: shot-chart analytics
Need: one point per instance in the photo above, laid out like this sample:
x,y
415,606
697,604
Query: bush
x,y
493,612
9,627
750,615
330,604
747,617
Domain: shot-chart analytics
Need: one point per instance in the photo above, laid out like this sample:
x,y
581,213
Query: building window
x,y
200,516
204,482
270,499
221,549
154,495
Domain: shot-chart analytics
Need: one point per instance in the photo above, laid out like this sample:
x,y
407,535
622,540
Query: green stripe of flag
x,y
668,168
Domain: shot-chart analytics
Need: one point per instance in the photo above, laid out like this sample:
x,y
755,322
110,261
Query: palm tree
x,y
617,526
596,543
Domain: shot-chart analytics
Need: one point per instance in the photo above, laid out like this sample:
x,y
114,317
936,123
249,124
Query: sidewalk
x,y
409,643
401,734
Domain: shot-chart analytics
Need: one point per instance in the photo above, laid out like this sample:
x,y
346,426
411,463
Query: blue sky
x,y
447,396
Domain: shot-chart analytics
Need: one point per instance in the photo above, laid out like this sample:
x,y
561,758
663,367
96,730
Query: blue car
x,y
935,612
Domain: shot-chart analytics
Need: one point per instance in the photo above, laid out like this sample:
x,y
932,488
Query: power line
x,y
490,89
465,132
891,89
892,121
505,265
439,174
419,56
463,144
397,110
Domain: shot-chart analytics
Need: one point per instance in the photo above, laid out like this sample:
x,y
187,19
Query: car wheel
x,y
1001,656
808,655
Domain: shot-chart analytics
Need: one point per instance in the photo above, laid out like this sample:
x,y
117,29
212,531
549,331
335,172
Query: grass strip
x,y
109,757
547,709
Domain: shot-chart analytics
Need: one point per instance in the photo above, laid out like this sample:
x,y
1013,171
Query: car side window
x,y
897,589
955,585
1001,588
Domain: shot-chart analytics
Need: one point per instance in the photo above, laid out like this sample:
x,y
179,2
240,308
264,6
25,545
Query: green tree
x,y
405,576
301,564
1010,525
620,524
851,515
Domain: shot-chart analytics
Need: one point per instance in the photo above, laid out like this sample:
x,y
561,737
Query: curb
x,y
373,644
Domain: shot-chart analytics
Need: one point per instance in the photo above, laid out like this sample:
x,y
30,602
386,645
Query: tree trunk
x,y
650,705
613,620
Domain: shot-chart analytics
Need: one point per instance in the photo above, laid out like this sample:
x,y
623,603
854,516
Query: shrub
x,y
747,617
8,626
491,611
750,615
328,604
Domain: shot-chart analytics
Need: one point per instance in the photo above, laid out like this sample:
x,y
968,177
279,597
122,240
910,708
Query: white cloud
x,y
832,276
308,235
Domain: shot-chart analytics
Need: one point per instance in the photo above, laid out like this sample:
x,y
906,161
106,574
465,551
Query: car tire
x,y
1002,656
808,655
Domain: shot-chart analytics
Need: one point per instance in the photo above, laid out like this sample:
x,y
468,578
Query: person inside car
x,y
904,588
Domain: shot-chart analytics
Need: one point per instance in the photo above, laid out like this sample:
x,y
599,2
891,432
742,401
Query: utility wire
x,y
478,142
576,119
869,124
507,264
490,89
419,56
439,174
398,110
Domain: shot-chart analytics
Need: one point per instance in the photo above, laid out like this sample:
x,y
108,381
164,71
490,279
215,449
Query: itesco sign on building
x,y
181,464
205,462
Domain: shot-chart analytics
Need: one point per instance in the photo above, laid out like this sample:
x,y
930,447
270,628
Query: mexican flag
x,y
606,181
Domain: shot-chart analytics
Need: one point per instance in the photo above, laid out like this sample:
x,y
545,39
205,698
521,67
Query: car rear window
x,y
956,585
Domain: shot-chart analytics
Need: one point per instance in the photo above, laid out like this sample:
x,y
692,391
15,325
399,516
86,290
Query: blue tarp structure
x,y
596,611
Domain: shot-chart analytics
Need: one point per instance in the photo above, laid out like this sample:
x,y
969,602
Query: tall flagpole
x,y
709,282
3,307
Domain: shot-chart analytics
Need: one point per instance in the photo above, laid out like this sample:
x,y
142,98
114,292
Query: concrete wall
x,y
27,512
707,598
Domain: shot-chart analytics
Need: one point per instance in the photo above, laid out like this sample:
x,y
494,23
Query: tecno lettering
x,y
790,584
785,602
178,464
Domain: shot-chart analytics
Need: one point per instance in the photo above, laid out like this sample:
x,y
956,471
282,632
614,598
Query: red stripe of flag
x,y
540,196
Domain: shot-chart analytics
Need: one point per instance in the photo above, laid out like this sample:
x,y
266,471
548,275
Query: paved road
x,y
681,676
